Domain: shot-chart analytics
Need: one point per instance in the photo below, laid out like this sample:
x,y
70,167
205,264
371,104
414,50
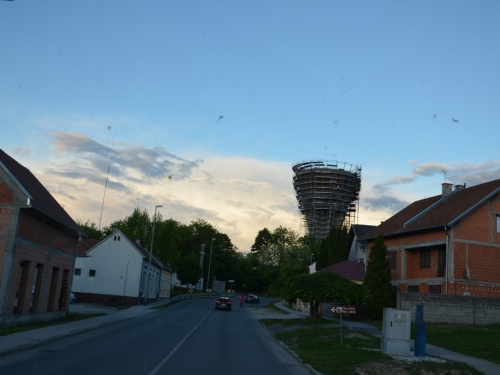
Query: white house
x,y
113,272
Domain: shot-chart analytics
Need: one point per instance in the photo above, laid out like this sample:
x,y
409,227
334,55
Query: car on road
x,y
252,298
223,303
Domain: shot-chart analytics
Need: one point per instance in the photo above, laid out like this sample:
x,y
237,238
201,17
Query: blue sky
x,y
204,106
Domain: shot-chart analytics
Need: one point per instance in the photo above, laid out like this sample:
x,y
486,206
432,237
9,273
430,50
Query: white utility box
x,y
396,327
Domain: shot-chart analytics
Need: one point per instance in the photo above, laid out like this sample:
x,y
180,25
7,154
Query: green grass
x,y
478,342
70,317
321,348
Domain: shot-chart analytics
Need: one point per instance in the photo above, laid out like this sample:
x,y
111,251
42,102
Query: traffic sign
x,y
343,310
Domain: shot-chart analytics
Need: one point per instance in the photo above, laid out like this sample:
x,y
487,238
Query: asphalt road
x,y
190,337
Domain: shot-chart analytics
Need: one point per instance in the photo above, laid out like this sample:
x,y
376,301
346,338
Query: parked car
x,y
252,298
223,303
72,298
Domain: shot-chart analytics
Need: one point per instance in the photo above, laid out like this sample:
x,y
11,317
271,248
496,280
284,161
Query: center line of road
x,y
155,370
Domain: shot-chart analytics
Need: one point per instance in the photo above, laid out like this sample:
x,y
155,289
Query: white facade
x,y
115,266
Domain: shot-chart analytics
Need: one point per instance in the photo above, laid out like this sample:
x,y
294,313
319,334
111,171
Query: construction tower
x,y
327,194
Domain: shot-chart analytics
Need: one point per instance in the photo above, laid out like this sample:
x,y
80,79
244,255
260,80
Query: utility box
x,y
396,327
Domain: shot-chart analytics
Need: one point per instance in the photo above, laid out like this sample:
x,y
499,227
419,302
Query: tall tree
x,y
90,229
334,248
378,279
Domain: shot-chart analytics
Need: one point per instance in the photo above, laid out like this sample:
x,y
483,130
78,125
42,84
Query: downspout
x,y
447,257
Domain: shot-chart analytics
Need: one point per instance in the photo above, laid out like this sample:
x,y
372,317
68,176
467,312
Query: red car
x,y
223,303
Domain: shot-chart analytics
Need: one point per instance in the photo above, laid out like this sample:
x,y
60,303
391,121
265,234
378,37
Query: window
x,y
425,259
413,288
92,273
498,223
78,271
393,259
435,289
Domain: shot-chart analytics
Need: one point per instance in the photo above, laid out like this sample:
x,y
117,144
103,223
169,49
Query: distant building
x,y
38,243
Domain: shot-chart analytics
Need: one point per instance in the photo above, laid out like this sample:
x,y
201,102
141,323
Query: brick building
x,y
446,244
38,243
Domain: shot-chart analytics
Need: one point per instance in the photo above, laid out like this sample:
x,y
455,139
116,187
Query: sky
x,y
204,106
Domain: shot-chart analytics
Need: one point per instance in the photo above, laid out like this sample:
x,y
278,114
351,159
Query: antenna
x,y
444,176
107,176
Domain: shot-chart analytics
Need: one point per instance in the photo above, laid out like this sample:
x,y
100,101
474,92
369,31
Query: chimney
x,y
459,187
447,188
115,230
138,241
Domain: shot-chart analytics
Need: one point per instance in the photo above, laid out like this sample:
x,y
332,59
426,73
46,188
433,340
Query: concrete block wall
x,y
451,309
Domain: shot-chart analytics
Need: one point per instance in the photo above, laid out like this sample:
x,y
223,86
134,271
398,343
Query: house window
x,y
393,259
425,259
435,289
498,223
78,271
92,273
413,288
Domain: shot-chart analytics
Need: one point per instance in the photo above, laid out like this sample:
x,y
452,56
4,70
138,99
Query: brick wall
x,y
451,309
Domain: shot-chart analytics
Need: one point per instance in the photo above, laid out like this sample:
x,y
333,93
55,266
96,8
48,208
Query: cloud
x,y
384,203
383,187
138,164
459,173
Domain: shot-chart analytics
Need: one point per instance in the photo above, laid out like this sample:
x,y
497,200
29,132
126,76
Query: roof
x,y
86,244
360,229
39,197
436,212
349,269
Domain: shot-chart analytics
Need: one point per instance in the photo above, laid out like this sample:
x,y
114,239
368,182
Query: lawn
x,y
321,348
70,317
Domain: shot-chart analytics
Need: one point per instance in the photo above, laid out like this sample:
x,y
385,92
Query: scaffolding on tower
x,y
327,194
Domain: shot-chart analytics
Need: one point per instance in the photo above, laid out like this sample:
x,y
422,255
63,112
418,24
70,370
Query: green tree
x,y
318,288
334,248
378,279
90,229
189,270
263,239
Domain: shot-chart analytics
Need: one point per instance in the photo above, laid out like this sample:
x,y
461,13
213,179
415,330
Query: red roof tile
x,y
348,269
436,212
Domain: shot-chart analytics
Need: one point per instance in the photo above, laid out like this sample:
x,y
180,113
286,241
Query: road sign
x,y
343,310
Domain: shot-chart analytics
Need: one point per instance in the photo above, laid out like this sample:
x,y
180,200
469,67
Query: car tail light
x,y
229,302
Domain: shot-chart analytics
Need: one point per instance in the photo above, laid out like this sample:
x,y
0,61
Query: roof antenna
x,y
444,176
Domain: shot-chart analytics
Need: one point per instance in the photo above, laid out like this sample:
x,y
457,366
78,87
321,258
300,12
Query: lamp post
x,y
148,275
209,263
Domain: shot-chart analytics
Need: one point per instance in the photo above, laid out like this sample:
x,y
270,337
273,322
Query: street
x,y
187,338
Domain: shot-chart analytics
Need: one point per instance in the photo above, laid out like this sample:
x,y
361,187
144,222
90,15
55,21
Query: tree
x,y
189,270
263,239
90,229
334,248
378,279
317,288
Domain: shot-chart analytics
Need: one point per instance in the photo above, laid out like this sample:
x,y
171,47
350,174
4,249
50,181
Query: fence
x,y
452,309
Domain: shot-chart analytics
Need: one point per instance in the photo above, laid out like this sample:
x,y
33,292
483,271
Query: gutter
x,y
447,257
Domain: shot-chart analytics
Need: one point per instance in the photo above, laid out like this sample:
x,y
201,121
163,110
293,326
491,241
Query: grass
x,y
70,317
321,348
478,342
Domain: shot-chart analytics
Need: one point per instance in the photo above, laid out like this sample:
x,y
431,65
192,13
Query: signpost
x,y
341,310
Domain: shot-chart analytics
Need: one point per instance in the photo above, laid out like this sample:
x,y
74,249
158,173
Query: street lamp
x,y
150,256
209,263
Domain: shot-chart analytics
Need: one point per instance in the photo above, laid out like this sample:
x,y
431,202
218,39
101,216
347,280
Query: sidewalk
x,y
489,368
33,337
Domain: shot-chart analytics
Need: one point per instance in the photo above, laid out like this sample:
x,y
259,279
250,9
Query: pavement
x,y
22,340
